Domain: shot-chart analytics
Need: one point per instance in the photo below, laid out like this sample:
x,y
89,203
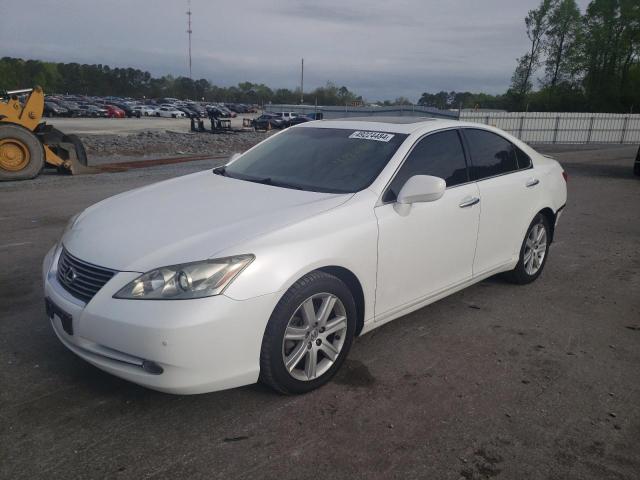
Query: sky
x,y
379,49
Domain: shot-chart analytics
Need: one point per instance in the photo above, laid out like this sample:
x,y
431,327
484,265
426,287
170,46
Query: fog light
x,y
152,367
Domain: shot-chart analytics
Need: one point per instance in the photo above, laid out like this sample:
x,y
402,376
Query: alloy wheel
x,y
535,248
314,336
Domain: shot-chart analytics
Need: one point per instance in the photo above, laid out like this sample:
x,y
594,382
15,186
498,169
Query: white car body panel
x,y
402,258
349,240
152,222
507,207
191,344
407,268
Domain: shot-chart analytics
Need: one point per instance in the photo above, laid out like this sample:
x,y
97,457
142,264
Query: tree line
x,y
102,80
580,62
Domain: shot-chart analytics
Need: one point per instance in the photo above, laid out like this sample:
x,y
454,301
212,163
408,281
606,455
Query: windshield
x,y
318,159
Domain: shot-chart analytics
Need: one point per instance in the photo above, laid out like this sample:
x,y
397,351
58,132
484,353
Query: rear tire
x,y
302,348
533,252
21,153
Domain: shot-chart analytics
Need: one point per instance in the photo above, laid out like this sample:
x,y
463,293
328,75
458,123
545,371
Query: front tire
x,y
533,252
308,335
21,153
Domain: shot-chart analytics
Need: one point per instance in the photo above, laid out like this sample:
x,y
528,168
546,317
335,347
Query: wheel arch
x,y
551,218
354,285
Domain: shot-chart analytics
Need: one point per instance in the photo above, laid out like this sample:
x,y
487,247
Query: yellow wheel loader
x,y
27,144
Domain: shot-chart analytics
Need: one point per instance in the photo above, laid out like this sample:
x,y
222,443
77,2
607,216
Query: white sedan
x,y
269,267
169,112
144,110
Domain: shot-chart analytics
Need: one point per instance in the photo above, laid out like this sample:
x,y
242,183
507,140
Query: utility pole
x,y
189,31
302,83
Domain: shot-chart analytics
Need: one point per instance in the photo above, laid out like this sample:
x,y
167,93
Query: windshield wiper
x,y
275,183
261,180
292,186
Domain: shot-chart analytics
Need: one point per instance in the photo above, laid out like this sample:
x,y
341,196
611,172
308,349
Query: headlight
x,y
189,280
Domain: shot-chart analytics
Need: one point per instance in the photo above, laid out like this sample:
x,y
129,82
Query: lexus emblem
x,y
70,275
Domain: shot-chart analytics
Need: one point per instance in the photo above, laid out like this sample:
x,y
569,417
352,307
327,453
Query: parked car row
x,y
268,121
241,108
117,107
55,106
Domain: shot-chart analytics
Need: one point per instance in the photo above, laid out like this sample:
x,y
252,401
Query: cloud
x,y
378,49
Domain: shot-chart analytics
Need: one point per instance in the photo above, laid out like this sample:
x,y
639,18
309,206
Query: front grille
x,y
81,279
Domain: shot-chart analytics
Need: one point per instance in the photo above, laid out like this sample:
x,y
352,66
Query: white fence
x,y
330,112
533,127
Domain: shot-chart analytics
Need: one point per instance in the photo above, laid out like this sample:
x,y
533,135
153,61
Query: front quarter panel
x,y
345,236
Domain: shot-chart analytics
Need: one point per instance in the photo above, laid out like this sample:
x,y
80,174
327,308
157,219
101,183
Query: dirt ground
x,y
497,381
115,140
125,126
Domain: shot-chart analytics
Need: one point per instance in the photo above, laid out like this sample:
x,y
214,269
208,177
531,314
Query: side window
x,y
524,161
440,155
491,154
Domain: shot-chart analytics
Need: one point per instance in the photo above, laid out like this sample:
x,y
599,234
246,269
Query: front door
x,y
431,247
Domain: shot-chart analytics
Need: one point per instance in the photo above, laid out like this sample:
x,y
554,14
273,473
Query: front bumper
x,y
201,345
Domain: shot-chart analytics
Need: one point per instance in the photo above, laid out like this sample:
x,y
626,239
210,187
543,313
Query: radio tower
x,y
189,31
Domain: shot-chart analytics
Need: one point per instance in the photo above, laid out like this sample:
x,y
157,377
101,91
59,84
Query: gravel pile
x,y
152,144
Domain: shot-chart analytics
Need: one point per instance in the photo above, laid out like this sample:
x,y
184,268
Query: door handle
x,y
532,182
469,202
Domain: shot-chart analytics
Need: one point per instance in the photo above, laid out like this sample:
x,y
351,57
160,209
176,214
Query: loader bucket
x,y
66,152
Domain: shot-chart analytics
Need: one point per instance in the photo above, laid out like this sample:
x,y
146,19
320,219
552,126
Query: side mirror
x,y
421,188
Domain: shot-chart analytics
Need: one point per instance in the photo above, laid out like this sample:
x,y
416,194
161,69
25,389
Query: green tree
x,y
611,50
562,42
537,23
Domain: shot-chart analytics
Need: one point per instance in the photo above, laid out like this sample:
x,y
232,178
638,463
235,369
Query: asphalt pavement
x,y
497,381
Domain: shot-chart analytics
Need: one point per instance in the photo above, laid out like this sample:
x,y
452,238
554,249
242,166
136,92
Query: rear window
x,y
524,161
491,154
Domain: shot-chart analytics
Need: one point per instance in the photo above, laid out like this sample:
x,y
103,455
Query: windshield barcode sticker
x,y
377,136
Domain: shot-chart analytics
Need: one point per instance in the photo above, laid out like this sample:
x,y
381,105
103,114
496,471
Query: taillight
x,y
565,176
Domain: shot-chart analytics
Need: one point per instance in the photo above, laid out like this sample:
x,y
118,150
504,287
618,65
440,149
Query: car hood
x,y
186,219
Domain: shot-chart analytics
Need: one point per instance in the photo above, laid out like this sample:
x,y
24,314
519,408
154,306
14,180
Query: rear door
x,y
431,247
508,197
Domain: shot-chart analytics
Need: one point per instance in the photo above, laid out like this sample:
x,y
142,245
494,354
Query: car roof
x,y
404,124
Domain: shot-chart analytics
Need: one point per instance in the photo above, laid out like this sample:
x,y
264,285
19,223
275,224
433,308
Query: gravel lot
x,y
110,140
149,144
125,126
497,381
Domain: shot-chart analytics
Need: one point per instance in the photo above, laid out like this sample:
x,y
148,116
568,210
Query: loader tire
x,y
21,153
